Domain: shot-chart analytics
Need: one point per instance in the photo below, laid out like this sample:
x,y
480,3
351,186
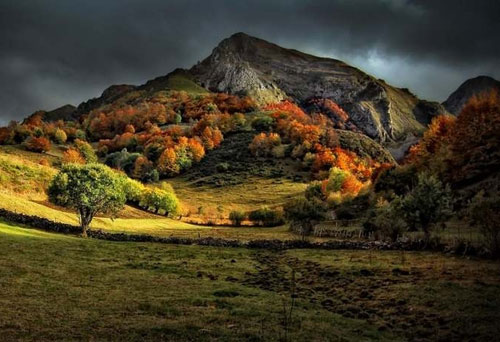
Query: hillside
x,y
474,86
250,66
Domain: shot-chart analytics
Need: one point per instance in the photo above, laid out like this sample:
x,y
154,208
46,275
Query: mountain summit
x,y
245,65
469,88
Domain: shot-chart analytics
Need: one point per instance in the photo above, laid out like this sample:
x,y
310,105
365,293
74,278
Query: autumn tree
x,y
263,144
37,144
432,151
475,143
167,163
60,136
72,156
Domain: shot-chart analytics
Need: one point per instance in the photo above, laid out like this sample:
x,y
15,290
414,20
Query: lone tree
x,y
89,189
429,203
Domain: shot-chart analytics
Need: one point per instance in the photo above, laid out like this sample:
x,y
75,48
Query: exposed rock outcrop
x,y
250,66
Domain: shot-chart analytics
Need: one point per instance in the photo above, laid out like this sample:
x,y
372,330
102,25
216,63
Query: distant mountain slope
x,y
246,65
66,112
109,95
469,88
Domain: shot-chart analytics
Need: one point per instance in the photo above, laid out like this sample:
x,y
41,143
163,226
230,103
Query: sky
x,y
54,52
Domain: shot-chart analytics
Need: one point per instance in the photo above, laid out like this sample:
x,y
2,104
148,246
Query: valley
x,y
264,194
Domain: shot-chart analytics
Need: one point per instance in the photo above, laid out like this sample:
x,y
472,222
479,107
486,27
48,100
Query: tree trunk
x,y
84,231
85,219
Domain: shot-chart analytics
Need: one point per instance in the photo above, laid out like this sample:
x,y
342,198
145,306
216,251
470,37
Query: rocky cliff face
x,y
250,66
469,88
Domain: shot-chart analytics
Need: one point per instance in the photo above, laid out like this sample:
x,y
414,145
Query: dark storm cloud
x,y
55,52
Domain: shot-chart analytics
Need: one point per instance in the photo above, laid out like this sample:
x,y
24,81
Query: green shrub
x,y
313,191
335,179
60,136
165,186
399,180
80,134
86,151
160,201
429,203
266,217
134,190
222,167
237,217
302,214
388,221
263,123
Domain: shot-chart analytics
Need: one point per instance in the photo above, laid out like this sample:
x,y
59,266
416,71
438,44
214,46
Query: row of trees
x,y
92,189
262,217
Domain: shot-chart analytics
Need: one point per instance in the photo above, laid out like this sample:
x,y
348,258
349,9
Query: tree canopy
x,y
89,189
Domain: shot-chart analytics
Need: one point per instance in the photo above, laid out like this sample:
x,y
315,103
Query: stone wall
x,y
414,245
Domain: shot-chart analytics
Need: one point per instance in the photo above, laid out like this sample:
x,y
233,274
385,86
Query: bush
x,y
160,201
72,156
427,204
354,207
266,217
278,151
237,217
134,190
222,167
398,181
302,214
334,199
40,144
165,186
335,179
388,221
86,151
313,191
80,134
263,123
484,213
60,136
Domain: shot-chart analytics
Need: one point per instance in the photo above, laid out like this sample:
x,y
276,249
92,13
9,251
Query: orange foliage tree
x,y
72,156
475,144
37,144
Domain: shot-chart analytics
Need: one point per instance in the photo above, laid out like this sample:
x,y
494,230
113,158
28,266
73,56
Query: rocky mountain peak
x,y
246,65
469,88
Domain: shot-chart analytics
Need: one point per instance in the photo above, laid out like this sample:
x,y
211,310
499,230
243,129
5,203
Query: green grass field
x,y
64,288
21,171
255,193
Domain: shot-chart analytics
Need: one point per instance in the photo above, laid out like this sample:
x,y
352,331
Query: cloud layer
x,y
55,52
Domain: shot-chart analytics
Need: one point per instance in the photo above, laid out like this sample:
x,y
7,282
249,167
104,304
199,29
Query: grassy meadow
x,y
63,288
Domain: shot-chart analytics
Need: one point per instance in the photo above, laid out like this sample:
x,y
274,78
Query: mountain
x,y
66,113
246,65
469,88
109,95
